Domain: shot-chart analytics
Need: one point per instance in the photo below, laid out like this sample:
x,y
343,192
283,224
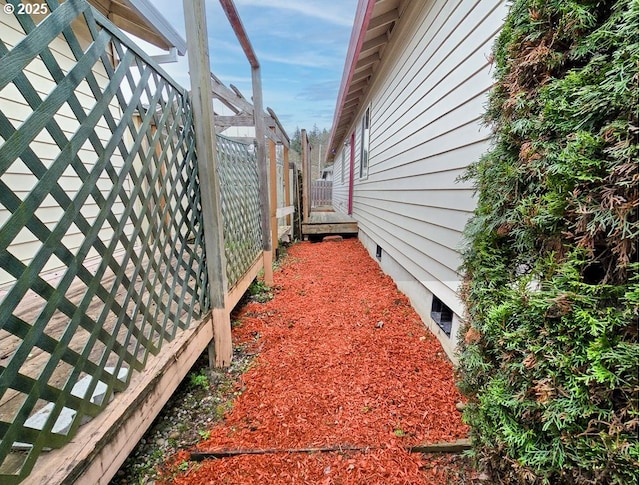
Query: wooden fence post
x,y
263,170
287,184
306,176
273,189
221,350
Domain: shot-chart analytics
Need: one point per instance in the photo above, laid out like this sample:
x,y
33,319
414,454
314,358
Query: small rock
x,y
174,435
160,442
332,239
460,406
379,324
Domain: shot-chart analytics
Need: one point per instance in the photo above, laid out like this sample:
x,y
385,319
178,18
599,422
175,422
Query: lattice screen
x,y
101,242
239,185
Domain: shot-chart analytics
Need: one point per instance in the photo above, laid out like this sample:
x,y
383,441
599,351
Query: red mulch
x,y
344,360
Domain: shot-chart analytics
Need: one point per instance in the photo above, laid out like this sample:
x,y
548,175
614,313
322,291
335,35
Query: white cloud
x,y
310,60
332,12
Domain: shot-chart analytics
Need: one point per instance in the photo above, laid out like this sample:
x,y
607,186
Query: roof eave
x,y
360,25
160,25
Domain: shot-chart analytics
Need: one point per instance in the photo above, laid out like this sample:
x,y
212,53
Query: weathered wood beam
x,y
243,108
239,93
287,186
306,176
221,351
331,228
375,42
223,93
239,289
236,24
279,128
359,76
384,19
263,171
366,62
358,86
442,447
273,192
238,120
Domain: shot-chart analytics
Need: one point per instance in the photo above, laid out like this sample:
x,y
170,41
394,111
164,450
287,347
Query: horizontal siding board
x,y
407,166
447,239
440,75
421,45
453,220
420,266
418,247
427,104
455,108
446,179
447,199
470,133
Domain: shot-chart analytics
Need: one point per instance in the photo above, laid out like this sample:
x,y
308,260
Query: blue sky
x,y
301,46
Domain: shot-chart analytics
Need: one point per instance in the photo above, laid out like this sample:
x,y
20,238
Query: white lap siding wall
x,y
426,101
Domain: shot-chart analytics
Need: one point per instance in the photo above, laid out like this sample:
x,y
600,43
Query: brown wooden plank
x,y
273,194
457,446
337,228
287,184
243,283
102,445
197,38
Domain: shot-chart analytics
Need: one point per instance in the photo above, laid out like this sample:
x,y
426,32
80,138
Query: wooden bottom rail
x,y
99,448
204,455
443,447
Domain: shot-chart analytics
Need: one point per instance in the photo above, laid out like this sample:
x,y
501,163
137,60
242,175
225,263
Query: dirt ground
x,y
333,356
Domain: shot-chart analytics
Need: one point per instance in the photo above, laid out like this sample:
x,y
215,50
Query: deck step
x,y
329,222
67,415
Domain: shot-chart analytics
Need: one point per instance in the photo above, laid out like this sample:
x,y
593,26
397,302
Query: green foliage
x,y
549,355
260,292
199,379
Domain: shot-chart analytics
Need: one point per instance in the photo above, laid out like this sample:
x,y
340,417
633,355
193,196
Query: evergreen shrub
x,y
549,352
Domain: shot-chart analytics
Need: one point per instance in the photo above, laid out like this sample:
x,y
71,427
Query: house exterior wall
x,y
340,194
20,178
426,103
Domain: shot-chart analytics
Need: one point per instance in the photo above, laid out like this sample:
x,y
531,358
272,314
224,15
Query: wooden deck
x,y
74,456
326,222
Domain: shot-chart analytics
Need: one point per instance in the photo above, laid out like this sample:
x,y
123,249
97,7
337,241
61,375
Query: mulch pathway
x,y
343,360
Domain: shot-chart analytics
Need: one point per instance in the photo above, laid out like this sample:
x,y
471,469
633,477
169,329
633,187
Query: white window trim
x,y
365,140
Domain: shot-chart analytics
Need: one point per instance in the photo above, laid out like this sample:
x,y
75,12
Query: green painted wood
x,y
38,39
160,283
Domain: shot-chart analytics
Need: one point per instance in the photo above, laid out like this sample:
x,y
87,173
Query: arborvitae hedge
x,y
549,355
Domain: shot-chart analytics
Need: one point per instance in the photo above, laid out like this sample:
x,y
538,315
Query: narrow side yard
x,y
343,361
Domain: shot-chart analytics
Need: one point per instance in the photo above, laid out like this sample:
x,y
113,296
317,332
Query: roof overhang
x,y
372,28
142,19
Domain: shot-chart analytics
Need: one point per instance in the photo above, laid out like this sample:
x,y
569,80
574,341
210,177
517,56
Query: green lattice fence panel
x,y
240,191
101,243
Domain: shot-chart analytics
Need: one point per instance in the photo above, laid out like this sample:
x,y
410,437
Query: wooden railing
x,y
321,191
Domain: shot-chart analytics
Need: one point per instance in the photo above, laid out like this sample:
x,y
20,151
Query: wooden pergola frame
x,y
205,86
